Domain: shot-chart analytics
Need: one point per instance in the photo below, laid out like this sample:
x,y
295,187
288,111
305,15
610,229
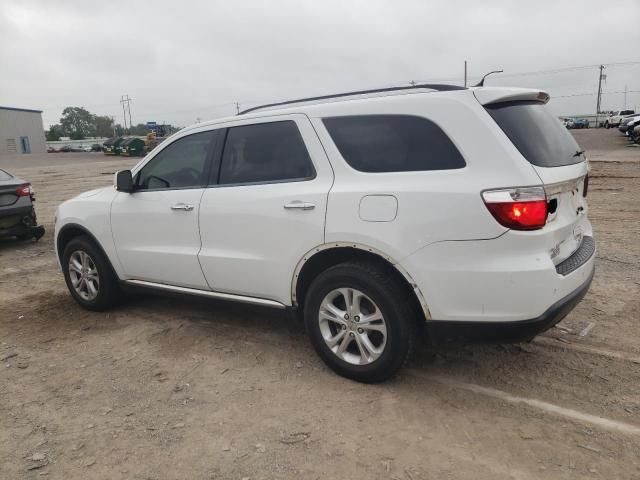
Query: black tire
x,y
389,296
108,291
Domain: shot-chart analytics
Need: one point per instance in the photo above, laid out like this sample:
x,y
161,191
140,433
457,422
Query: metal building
x,y
21,131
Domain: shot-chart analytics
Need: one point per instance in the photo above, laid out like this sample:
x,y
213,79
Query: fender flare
x,y
85,231
326,246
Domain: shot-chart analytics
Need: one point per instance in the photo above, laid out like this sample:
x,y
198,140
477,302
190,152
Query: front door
x,y
155,228
267,209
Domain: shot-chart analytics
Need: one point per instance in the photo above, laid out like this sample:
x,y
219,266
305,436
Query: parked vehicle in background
x,y
628,122
615,118
571,123
462,211
580,123
111,146
96,147
635,135
17,213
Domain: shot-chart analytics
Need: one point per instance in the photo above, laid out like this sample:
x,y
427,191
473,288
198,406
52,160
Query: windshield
x,y
536,133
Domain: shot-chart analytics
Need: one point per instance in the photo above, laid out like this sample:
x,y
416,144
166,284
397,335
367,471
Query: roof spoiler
x,y
489,95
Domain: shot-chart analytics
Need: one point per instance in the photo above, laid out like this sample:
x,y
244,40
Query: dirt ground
x,y
166,388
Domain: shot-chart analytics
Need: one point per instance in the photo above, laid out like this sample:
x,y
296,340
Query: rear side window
x,y
536,133
393,143
264,153
627,112
4,175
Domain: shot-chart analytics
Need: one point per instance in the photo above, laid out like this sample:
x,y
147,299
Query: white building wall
x,y
16,123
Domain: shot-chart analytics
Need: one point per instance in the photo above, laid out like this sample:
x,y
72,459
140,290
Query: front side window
x,y
393,143
264,153
180,165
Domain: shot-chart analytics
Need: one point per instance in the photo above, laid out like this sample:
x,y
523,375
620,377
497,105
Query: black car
x,y
17,214
96,147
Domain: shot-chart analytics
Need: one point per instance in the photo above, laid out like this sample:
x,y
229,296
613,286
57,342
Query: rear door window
x,y
265,153
393,143
536,133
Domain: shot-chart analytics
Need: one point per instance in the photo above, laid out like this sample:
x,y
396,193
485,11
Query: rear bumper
x,y
506,332
25,222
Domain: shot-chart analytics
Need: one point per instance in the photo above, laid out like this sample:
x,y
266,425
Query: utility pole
x,y
465,74
113,120
600,77
126,107
237,108
625,96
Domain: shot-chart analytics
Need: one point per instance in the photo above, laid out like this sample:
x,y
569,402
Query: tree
x,y
139,130
103,126
77,123
54,133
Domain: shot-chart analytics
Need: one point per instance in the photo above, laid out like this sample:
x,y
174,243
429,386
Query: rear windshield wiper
x,y
578,153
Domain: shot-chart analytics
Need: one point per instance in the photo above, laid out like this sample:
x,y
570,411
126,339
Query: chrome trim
x,y
207,293
300,205
562,187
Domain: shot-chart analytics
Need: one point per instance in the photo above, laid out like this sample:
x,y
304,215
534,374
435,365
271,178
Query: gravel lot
x,y
166,388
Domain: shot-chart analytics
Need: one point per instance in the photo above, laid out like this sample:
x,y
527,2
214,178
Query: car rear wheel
x,y
89,276
360,321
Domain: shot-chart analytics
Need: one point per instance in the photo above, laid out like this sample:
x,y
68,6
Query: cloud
x,y
182,60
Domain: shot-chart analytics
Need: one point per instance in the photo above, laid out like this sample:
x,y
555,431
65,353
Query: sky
x,y
181,61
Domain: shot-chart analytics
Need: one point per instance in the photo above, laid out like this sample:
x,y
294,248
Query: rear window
x,y
536,133
393,143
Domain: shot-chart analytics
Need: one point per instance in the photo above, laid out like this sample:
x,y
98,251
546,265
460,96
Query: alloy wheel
x,y
83,274
352,326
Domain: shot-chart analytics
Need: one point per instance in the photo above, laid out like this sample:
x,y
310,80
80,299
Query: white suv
x,y
374,213
615,118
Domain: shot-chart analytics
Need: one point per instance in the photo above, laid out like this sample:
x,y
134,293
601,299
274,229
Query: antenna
x,y
481,82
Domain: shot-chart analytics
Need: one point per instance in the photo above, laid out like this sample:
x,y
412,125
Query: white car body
x,y
239,243
615,118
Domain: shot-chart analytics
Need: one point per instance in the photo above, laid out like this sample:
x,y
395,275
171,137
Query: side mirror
x,y
124,181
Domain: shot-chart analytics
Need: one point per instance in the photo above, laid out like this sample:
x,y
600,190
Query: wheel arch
x,y
326,255
73,230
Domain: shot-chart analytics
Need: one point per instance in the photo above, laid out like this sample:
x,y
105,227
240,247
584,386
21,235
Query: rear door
x,y
559,162
266,207
155,228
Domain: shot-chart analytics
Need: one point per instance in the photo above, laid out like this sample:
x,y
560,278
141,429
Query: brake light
x,y
25,190
518,208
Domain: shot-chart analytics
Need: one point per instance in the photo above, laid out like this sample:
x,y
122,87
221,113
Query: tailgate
x,y
567,221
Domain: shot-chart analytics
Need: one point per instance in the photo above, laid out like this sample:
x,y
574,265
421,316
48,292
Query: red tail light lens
x,y
518,208
25,190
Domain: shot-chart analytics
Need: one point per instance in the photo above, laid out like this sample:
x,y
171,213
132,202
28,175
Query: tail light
x,y
26,190
522,208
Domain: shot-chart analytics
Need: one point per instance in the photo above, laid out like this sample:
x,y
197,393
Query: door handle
x,y
300,205
182,206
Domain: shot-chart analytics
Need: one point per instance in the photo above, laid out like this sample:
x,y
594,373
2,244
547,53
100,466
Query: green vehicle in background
x,y
112,146
132,147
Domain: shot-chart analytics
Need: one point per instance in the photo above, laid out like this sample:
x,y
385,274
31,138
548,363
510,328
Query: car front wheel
x,y
361,321
88,275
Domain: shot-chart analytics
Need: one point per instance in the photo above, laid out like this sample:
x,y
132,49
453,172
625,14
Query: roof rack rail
x,y
432,86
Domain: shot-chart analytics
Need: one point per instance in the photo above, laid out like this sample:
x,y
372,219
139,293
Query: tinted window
x,y
627,112
393,143
180,165
265,152
537,133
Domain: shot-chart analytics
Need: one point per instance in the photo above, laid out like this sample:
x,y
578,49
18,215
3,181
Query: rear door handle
x,y
182,206
300,205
